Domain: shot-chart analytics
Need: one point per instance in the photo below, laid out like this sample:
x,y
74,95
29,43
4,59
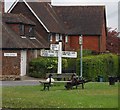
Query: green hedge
x,y
93,66
99,65
85,53
40,66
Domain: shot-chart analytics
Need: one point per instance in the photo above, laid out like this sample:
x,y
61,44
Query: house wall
x,y
67,45
89,42
74,42
14,27
11,67
30,56
103,39
11,64
26,12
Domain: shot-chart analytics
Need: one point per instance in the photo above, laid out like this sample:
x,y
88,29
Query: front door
x,y
23,62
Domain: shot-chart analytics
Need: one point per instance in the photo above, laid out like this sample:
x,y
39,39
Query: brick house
x,y
67,23
20,43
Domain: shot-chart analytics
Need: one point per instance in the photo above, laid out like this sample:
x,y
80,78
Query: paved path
x,y
19,83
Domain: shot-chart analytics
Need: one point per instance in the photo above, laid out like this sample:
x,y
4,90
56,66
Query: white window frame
x,y
60,37
57,37
51,38
66,39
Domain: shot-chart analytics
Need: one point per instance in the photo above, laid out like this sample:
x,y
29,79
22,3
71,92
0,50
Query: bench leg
x,y
76,86
44,87
48,87
82,85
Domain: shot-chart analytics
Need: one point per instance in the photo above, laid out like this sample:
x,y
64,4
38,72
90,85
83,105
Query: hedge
x,y
84,52
40,66
100,65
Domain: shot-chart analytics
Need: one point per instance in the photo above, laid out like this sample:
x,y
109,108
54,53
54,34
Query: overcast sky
x,y
111,7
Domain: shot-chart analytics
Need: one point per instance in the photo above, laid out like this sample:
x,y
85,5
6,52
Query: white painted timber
x,y
69,54
49,53
23,62
10,54
54,46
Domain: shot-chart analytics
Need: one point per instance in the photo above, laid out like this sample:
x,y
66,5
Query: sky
x,y
111,7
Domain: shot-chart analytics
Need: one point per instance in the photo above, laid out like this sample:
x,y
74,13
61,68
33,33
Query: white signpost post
x,y
56,51
81,42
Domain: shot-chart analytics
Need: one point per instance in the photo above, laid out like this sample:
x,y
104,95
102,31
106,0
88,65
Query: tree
x,y
113,41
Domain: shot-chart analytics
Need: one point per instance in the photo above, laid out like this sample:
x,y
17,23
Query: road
x,y
19,83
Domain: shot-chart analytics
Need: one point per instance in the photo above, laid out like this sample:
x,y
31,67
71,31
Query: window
x,y
57,37
60,37
66,39
22,29
31,32
51,38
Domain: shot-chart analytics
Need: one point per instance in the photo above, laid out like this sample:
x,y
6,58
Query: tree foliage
x,y
113,41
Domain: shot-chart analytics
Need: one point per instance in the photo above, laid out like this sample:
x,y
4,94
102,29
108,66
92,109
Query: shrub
x,y
71,67
85,53
99,65
40,66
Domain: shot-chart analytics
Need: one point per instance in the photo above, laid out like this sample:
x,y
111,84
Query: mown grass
x,y
95,95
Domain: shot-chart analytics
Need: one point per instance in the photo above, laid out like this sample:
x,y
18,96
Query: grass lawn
x,y
95,95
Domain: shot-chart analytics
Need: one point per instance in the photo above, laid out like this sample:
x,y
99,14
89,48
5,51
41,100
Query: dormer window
x,y
31,32
22,29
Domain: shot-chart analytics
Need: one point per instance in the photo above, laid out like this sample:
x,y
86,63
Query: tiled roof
x,y
86,20
16,18
11,39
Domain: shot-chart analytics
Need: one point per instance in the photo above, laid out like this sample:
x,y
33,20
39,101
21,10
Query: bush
x,y
40,66
85,53
99,65
71,68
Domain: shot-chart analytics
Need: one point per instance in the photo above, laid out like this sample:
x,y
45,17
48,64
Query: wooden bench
x,y
47,84
63,76
70,85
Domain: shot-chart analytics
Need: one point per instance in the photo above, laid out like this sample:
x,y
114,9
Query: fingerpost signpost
x,y
56,51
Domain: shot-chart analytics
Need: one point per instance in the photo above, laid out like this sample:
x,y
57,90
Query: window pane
x,y
60,37
31,31
22,29
66,39
57,37
51,38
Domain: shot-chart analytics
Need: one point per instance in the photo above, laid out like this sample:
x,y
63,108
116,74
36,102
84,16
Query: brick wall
x,y
103,40
74,42
11,65
67,45
91,43
14,27
30,56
